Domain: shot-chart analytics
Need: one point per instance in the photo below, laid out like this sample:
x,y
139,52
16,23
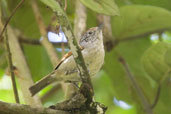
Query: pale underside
x,y
94,59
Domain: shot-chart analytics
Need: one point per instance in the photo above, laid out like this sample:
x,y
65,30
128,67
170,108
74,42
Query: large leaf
x,y
160,3
24,18
154,61
107,7
139,20
132,52
167,57
164,102
37,60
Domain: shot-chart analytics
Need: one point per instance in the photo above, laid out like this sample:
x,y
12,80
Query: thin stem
x,y
11,69
10,17
65,8
72,41
29,41
157,97
138,90
80,20
48,46
11,108
32,41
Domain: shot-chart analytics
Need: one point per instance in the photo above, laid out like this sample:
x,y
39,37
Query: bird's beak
x,y
100,27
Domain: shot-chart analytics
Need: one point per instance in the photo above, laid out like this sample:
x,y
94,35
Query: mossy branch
x,y
67,29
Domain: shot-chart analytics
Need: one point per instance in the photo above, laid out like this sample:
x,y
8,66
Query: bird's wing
x,y
65,57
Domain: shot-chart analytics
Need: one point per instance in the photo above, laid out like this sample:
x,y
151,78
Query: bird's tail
x,y
42,83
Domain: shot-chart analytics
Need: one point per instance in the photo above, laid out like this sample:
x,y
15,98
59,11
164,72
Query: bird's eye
x,y
90,32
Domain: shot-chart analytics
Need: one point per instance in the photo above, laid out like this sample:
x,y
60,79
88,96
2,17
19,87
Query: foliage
x,y
136,21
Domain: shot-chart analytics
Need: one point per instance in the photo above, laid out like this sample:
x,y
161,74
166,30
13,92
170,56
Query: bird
x,y
92,49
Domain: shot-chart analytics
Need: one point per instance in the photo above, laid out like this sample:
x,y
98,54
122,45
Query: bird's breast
x,y
94,58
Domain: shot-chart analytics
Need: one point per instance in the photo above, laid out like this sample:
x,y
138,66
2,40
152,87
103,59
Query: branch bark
x,y
79,29
18,58
24,78
32,41
80,20
10,17
67,29
109,40
48,46
10,108
11,69
86,88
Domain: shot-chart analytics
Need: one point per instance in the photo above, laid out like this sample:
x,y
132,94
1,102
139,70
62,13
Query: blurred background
x,y
137,31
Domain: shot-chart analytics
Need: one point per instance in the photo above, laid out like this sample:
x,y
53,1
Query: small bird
x,y
92,49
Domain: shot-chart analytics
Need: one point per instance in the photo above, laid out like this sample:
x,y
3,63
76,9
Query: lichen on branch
x,y
67,29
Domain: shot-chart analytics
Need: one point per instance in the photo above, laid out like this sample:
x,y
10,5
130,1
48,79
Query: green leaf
x,y
164,102
154,63
107,7
37,60
53,4
160,3
131,52
167,57
24,18
138,21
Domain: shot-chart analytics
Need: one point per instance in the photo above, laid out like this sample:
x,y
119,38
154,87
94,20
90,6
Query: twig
x,y
79,29
107,30
157,97
29,41
48,46
80,20
115,41
139,36
8,20
65,7
86,88
32,41
138,90
11,108
24,75
11,69
66,27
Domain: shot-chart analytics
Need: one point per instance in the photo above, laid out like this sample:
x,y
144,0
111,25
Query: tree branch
x,y
32,41
24,75
80,20
10,17
65,7
86,88
18,58
29,41
10,108
48,46
107,30
79,28
11,69
138,90
66,27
